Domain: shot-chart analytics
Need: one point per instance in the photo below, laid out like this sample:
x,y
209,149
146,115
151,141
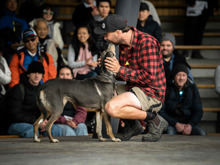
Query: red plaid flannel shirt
x,y
142,65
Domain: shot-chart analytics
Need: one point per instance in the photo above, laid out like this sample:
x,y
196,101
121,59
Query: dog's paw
x,y
116,140
36,139
54,141
102,139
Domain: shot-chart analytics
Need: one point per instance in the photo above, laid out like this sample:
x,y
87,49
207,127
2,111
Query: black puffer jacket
x,y
23,110
188,110
151,27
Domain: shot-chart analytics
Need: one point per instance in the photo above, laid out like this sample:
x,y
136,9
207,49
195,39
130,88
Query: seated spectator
x,y
183,106
54,32
104,8
22,107
82,54
146,23
31,52
46,43
5,78
217,80
11,28
170,57
31,9
153,11
72,121
85,13
5,73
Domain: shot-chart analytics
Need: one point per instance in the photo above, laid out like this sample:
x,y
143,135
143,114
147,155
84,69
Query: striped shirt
x,y
142,65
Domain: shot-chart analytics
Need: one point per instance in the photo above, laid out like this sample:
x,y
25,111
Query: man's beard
x,y
167,56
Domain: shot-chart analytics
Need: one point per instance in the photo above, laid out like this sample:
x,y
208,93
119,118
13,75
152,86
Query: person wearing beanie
x,y
21,104
183,106
170,57
140,66
28,53
146,23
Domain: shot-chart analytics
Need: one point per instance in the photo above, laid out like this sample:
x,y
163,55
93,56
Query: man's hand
x,y
42,125
180,127
112,64
187,129
71,124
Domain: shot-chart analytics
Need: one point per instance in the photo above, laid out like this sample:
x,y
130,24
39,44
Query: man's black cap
x,y
111,23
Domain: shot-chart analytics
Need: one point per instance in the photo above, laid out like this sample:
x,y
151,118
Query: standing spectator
x,y
82,53
11,28
170,57
22,107
183,107
31,52
46,43
31,9
84,14
217,80
197,15
104,8
72,121
141,66
146,23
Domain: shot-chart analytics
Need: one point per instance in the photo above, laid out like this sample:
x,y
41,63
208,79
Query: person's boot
x,y
156,127
132,128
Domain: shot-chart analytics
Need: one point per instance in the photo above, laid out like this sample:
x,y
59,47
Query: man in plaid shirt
x,y
141,66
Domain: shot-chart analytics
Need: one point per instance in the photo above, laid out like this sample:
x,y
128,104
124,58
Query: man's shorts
x,y
147,103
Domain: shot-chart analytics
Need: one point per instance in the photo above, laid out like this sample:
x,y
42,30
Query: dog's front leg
x,y
99,126
36,127
109,128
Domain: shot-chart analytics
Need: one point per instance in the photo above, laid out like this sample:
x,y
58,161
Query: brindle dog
x,y
92,93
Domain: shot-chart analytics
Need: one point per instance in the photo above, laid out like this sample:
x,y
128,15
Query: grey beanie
x,y
170,37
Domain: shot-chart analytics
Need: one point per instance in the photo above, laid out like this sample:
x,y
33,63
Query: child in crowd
x,y
82,54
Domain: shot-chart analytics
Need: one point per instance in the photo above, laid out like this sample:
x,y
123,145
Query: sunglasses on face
x,y
32,40
47,12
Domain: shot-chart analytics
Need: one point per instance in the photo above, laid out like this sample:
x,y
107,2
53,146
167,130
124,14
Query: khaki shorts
x,y
147,103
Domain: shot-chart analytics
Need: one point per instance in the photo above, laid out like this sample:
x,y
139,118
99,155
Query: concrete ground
x,y
170,150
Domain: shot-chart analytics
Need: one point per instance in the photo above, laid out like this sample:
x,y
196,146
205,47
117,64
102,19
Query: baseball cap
x,y
28,33
111,23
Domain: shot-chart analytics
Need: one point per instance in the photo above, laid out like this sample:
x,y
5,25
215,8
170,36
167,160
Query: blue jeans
x,y
69,131
196,130
27,130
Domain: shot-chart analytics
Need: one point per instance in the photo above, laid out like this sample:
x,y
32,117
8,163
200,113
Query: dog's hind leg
x,y
109,128
99,116
53,118
36,127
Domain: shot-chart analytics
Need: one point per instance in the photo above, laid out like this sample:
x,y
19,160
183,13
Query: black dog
x,y
91,93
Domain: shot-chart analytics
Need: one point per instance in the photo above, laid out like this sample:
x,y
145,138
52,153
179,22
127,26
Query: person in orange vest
x,y
30,52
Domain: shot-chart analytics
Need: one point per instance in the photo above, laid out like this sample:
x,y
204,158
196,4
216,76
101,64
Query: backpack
x,y
22,50
4,119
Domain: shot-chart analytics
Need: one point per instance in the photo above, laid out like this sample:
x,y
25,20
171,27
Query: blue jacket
x,y
8,19
188,110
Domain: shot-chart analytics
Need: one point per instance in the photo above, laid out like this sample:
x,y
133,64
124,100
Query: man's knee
x,y
111,109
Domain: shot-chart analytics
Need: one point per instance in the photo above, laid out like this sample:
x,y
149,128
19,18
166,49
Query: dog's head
x,y
109,52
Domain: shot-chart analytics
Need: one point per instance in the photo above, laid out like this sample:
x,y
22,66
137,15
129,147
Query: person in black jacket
x,y
22,107
146,23
182,108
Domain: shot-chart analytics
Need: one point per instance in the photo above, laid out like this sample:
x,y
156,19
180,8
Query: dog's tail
x,y
40,102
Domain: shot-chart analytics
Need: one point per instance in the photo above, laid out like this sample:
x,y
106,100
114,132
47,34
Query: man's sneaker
x,y
132,128
156,128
